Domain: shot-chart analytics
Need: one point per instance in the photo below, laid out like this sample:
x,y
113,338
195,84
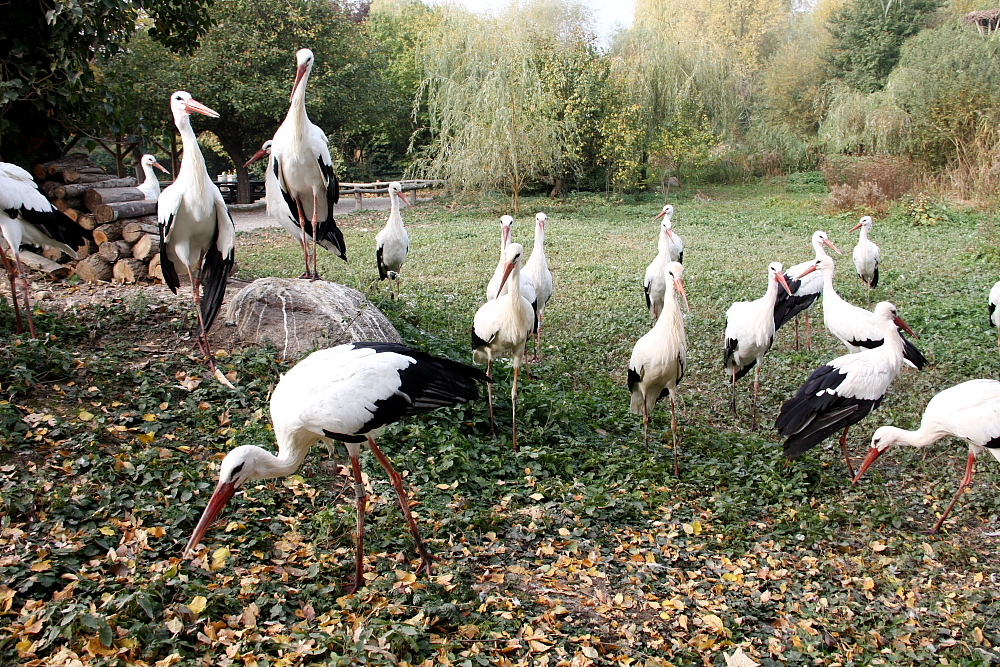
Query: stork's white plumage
x,y
670,248
343,394
150,186
303,170
26,216
993,302
501,328
537,271
805,291
866,256
197,236
749,334
496,287
277,207
969,411
843,391
855,327
659,358
392,243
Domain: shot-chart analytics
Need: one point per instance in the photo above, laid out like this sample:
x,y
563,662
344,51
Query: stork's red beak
x,y
256,156
807,272
194,106
506,274
679,286
780,277
873,454
855,227
160,167
898,321
300,72
402,198
223,492
659,215
505,234
829,243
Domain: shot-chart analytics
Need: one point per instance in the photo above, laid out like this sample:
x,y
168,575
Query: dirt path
x,y
246,221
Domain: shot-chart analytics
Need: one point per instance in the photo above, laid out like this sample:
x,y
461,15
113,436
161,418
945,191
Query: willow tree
x,y
494,119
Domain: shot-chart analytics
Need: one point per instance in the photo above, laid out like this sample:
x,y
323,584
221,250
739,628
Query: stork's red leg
x,y
360,500
489,396
315,226
847,457
796,332
645,424
808,339
27,298
513,408
756,390
303,239
673,434
404,504
732,400
961,487
8,265
202,333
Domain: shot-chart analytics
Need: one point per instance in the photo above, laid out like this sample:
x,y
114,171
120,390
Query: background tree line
x,y
528,98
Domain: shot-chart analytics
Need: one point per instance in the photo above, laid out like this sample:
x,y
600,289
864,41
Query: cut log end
x,y
129,271
146,247
94,269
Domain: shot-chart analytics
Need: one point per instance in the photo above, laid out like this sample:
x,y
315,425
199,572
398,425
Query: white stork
x,y
843,391
855,327
994,300
392,243
805,291
970,411
866,256
659,358
501,327
150,187
343,394
670,248
749,334
197,236
495,288
26,216
537,271
303,170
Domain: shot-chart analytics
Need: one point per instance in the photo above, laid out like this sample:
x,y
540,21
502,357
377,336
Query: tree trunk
x,y
233,146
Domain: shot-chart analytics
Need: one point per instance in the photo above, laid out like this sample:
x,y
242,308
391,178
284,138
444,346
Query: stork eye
x,y
236,471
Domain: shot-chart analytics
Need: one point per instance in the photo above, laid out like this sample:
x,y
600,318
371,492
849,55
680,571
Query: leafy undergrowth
x,y
580,549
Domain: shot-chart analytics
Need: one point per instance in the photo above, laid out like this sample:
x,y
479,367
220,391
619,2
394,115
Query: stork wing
x,y
329,235
166,212
275,194
218,262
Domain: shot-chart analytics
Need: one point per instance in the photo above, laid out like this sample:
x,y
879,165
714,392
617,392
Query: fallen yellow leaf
x,y
149,417
85,416
198,604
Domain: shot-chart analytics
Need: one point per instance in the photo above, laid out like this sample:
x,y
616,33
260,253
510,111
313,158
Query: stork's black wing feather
x,y
731,345
993,308
383,271
787,306
633,379
328,230
912,354
55,224
429,383
166,265
817,411
214,275
875,276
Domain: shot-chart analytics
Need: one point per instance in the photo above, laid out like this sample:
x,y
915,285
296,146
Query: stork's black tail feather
x,y
912,354
214,275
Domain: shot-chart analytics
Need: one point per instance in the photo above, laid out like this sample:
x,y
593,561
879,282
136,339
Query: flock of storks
x,y
347,392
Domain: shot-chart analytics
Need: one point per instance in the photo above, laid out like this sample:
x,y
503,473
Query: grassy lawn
x,y
579,549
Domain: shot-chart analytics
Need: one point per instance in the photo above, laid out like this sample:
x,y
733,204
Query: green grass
x,y
581,546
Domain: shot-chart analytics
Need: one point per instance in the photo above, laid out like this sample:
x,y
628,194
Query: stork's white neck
x,y
539,239
922,437
864,235
395,218
151,181
297,109
292,449
514,283
193,163
820,250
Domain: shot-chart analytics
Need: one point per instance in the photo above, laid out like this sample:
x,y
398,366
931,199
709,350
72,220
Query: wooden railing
x,y
382,188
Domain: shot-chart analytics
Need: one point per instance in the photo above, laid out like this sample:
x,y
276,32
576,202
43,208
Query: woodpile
x,y
126,246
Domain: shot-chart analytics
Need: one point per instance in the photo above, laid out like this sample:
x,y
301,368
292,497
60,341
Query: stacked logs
x,y
126,246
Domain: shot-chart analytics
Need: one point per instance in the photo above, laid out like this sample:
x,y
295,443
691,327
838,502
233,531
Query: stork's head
x,y
666,214
150,160
776,272
182,104
265,149
396,192
819,240
675,273
883,438
540,219
885,311
243,463
303,65
506,222
824,263
865,222
512,255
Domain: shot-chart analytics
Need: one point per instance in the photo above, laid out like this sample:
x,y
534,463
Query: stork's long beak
x,y
300,72
807,272
829,243
160,167
855,227
505,235
679,286
659,215
402,198
506,274
194,106
223,492
780,277
873,454
898,321
256,156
